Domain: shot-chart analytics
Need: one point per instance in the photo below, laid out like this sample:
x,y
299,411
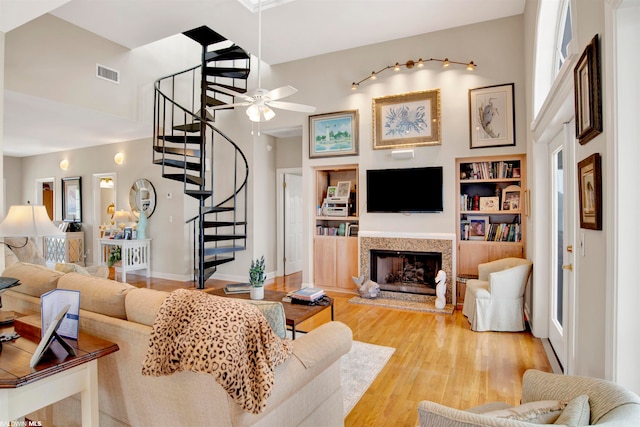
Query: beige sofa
x,y
307,389
582,401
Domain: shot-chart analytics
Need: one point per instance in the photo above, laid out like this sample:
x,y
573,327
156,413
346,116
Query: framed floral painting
x,y
407,120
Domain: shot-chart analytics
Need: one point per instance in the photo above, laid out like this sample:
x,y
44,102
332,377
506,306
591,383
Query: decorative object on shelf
x,y
492,116
333,134
72,199
142,197
441,289
511,196
590,192
257,278
368,289
141,232
588,93
489,203
410,64
343,190
406,120
478,227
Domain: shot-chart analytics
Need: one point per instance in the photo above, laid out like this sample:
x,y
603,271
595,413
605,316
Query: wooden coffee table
x,y
55,377
294,313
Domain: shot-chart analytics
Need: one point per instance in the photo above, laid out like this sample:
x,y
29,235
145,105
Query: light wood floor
x,y
437,356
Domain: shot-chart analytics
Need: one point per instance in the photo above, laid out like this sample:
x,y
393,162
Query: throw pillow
x,y
273,311
577,412
71,268
540,412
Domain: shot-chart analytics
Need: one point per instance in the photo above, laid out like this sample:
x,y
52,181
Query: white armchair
x,y
495,301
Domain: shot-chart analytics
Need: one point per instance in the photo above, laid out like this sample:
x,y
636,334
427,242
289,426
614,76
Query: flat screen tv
x,y
405,190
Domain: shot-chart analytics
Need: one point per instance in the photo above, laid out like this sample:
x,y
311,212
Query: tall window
x,y
564,35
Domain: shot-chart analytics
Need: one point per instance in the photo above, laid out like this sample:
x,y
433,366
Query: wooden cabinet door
x,y
346,262
470,255
506,251
324,261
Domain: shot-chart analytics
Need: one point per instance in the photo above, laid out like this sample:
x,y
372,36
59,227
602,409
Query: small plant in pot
x,y
257,278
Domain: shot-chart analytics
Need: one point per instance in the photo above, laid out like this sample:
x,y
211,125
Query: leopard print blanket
x,y
224,337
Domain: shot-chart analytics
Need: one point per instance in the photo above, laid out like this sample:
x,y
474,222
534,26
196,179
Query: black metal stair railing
x,y
192,150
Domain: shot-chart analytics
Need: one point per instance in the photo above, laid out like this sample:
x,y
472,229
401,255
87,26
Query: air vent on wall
x,y
109,74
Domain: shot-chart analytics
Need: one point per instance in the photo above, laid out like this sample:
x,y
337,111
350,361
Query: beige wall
x,y
289,152
13,181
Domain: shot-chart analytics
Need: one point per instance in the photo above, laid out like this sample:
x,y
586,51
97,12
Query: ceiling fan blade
x,y
281,92
291,106
231,92
225,106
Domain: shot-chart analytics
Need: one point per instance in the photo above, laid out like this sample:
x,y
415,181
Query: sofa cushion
x,y
99,295
538,412
274,312
70,268
142,305
35,279
577,412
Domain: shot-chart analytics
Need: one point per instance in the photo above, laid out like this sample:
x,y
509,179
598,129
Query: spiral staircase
x,y
190,149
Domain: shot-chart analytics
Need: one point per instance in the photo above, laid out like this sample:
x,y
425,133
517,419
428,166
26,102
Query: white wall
x,y
497,46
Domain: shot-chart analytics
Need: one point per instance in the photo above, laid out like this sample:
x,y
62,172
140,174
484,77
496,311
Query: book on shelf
x,y
307,294
237,288
491,170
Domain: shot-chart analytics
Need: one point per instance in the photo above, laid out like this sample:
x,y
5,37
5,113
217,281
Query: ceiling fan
x,y
261,101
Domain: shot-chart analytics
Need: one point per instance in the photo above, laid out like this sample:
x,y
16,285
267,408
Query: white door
x,y
292,223
562,212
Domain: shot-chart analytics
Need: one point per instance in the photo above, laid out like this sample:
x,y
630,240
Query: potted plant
x,y
257,278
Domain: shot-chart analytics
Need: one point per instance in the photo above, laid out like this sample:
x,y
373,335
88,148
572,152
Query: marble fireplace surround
x,y
417,242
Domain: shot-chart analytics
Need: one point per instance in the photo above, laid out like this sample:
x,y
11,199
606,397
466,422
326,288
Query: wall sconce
x,y
446,63
64,164
402,154
118,158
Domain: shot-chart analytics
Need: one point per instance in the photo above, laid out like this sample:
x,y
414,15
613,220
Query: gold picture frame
x,y
588,93
407,120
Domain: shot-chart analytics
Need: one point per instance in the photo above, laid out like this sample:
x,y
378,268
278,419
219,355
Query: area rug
x,y
424,303
359,368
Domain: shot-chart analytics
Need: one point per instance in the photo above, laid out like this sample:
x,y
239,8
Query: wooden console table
x,y
135,254
24,390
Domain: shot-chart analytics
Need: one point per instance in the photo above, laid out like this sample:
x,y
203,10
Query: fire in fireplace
x,y
405,271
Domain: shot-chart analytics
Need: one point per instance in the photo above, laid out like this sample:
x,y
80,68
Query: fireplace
x,y
439,243
405,271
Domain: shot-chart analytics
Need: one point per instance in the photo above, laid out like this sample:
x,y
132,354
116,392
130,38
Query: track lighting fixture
x,y
470,66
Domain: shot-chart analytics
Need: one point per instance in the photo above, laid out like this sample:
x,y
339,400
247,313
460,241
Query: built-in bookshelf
x,y
491,211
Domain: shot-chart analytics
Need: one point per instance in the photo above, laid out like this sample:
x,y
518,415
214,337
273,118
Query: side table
x,y
55,377
461,288
134,254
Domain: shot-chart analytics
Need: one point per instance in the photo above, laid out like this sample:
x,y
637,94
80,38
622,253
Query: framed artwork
x,y
333,134
478,227
489,203
407,120
72,199
590,192
344,187
492,118
588,93
511,198
332,191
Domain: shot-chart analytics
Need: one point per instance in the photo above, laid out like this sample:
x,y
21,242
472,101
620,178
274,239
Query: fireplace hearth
x,y
405,271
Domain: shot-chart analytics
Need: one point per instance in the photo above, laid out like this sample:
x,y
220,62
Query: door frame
x,y
38,192
95,234
280,173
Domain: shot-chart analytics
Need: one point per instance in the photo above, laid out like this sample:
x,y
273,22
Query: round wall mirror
x,y
142,197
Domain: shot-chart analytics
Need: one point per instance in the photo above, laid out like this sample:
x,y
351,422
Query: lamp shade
x,y
28,221
121,216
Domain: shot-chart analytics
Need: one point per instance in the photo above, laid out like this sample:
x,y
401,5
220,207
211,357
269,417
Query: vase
x,y
257,292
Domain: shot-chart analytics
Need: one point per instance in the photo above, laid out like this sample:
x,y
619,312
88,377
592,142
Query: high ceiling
x,y
294,30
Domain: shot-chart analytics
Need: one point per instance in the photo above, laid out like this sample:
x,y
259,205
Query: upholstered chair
x,y
495,301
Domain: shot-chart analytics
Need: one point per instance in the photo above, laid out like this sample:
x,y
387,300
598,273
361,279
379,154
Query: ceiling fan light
x,y
268,113
254,113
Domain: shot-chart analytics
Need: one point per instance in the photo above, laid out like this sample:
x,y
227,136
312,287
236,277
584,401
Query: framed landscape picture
x,y
407,120
333,134
492,116
590,192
